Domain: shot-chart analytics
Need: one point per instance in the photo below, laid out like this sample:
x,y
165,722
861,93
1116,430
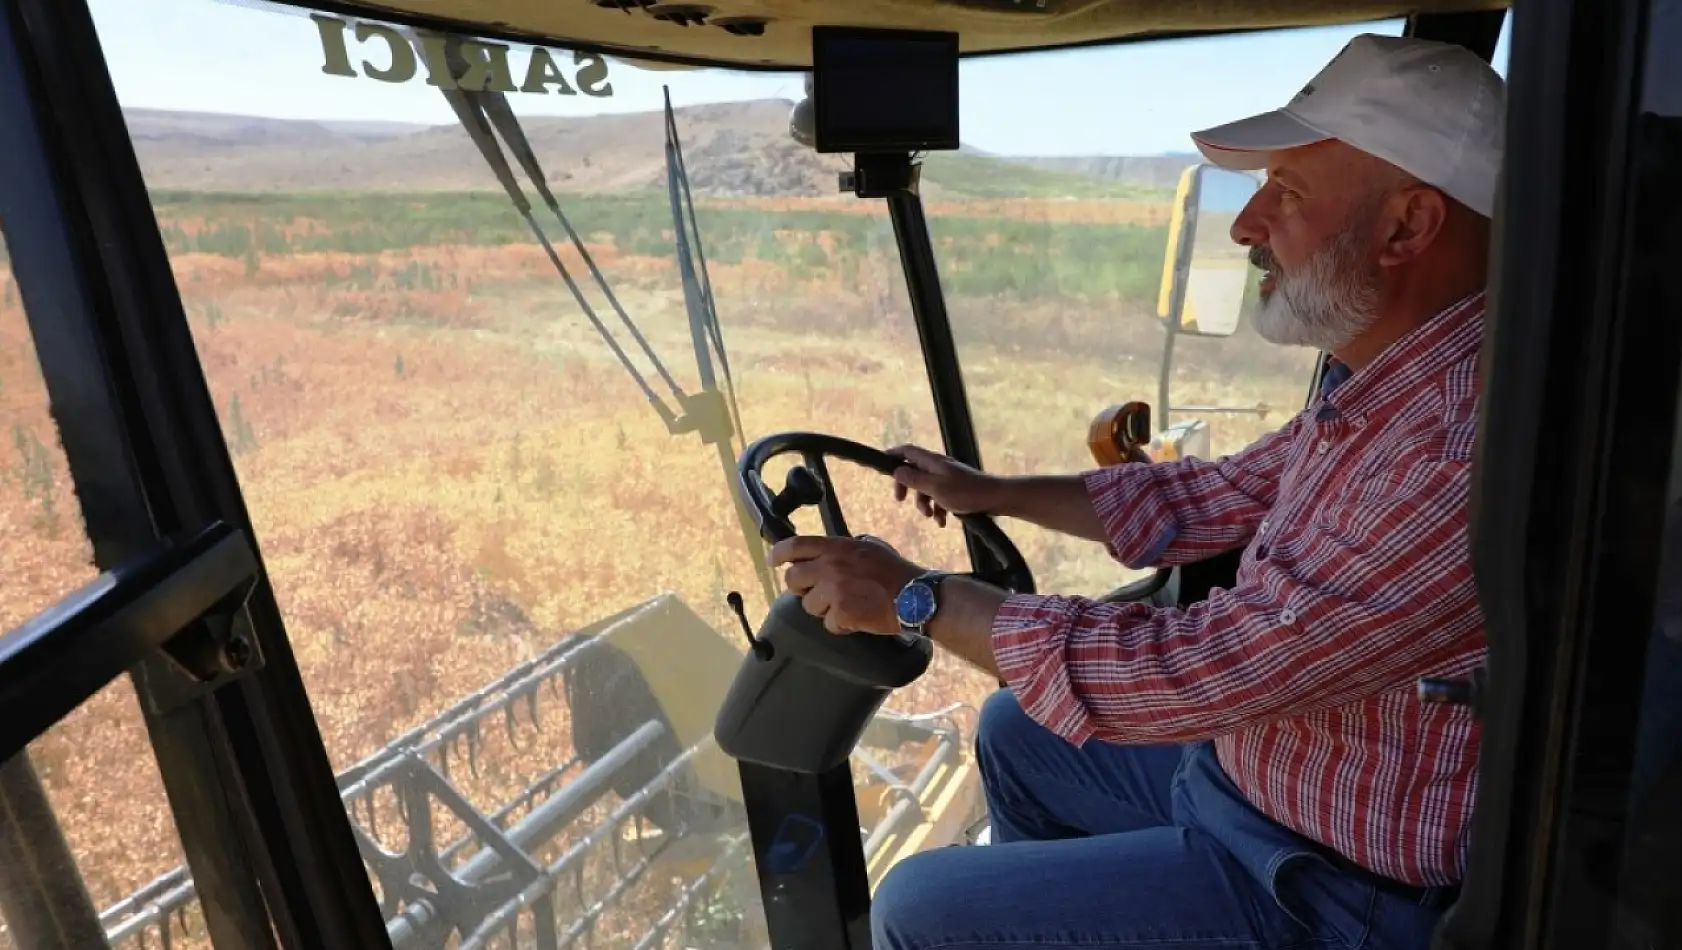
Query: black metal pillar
x,y
934,328
42,898
242,761
809,851
940,348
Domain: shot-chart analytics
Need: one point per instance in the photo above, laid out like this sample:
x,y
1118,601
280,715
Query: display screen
x,y
884,90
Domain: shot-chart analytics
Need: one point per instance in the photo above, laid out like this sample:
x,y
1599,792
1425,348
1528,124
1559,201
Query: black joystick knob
x,y
760,648
802,488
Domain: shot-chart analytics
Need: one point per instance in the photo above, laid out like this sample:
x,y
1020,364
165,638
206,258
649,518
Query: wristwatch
x,y
918,602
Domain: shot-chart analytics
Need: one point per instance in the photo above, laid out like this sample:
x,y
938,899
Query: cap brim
x,y
1244,145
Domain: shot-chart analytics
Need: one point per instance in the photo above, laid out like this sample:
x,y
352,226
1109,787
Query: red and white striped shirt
x,y
1356,581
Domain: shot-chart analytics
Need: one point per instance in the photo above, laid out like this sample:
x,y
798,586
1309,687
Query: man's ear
x,y
1416,217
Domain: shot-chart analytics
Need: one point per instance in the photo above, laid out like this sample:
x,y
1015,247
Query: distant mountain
x,y
1148,171
732,149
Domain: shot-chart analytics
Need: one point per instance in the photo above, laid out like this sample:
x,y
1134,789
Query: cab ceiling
x,y
776,33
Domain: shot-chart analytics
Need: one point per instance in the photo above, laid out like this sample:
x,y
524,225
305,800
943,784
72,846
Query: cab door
x,y
1575,843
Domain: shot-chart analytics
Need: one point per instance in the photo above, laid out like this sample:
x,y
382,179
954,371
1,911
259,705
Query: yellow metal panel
x,y
688,666
1176,223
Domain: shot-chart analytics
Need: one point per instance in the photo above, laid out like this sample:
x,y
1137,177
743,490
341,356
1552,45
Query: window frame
x,y
246,772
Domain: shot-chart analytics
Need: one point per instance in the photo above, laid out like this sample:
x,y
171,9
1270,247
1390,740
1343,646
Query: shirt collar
x,y
1445,339
1336,374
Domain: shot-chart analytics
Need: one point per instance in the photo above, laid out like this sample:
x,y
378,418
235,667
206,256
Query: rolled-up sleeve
x,y
1368,591
1190,509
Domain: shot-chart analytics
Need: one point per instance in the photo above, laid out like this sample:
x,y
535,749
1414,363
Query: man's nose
x,y
1248,228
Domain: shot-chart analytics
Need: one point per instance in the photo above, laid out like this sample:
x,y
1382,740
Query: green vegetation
x,y
978,176
980,256
241,437
1035,260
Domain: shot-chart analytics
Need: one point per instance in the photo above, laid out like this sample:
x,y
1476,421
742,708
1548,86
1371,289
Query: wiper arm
x,y
704,328
476,110
707,314
713,414
502,116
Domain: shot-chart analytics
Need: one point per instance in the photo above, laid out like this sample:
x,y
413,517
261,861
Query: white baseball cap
x,y
1434,110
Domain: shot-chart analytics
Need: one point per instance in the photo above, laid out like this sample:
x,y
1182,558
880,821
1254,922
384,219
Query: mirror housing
x,y
803,119
1207,280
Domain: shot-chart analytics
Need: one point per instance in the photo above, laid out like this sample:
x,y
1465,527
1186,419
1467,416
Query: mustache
x,y
1261,258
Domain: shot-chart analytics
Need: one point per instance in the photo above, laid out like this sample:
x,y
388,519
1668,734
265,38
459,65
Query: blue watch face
x,y
915,604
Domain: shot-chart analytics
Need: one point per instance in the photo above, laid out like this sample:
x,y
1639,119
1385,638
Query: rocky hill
x,y
736,149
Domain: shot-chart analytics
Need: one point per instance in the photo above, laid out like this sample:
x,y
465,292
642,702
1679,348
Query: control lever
x,y
1120,434
759,647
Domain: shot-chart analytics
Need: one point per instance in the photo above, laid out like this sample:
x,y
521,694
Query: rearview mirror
x,y
1207,279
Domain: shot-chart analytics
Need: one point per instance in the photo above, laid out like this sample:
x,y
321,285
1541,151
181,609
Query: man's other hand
x,y
944,485
850,582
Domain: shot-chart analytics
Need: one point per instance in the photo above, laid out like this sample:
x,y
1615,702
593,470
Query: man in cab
x,y
1254,770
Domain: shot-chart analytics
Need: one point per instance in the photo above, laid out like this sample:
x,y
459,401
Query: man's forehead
x,y
1320,163
1285,173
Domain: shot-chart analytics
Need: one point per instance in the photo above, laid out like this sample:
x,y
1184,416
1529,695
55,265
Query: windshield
x,y
488,449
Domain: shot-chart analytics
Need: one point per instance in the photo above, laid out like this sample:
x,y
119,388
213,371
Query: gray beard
x,y
1325,304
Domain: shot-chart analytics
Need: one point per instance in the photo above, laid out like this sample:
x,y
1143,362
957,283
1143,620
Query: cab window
x,y
117,843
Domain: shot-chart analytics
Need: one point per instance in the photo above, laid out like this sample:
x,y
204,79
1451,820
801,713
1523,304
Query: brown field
x,y
417,460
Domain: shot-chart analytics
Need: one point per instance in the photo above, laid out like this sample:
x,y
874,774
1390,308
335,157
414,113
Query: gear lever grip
x,y
800,489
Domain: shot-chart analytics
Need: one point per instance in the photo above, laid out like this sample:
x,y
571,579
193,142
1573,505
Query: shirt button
x,y
1263,527
1324,445
1287,616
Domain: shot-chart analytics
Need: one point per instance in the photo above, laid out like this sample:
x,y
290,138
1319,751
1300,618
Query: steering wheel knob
x,y
800,489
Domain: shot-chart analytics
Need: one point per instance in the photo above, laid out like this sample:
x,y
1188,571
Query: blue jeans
x,y
1131,846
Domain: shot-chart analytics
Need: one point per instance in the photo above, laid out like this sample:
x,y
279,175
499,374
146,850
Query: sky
x,y
1133,99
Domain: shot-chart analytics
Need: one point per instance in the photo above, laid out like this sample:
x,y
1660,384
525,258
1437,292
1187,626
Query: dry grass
x,y
414,459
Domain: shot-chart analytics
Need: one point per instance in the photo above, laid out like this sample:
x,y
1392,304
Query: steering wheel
x,y
809,484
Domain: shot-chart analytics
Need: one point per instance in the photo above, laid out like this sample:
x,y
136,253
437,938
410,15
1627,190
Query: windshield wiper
x,y
697,290
713,413
477,111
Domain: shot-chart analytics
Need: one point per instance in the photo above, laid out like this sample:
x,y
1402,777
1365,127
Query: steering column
x,y
803,697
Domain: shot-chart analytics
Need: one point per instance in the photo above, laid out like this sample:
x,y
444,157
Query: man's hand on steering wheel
x,y
944,485
850,582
